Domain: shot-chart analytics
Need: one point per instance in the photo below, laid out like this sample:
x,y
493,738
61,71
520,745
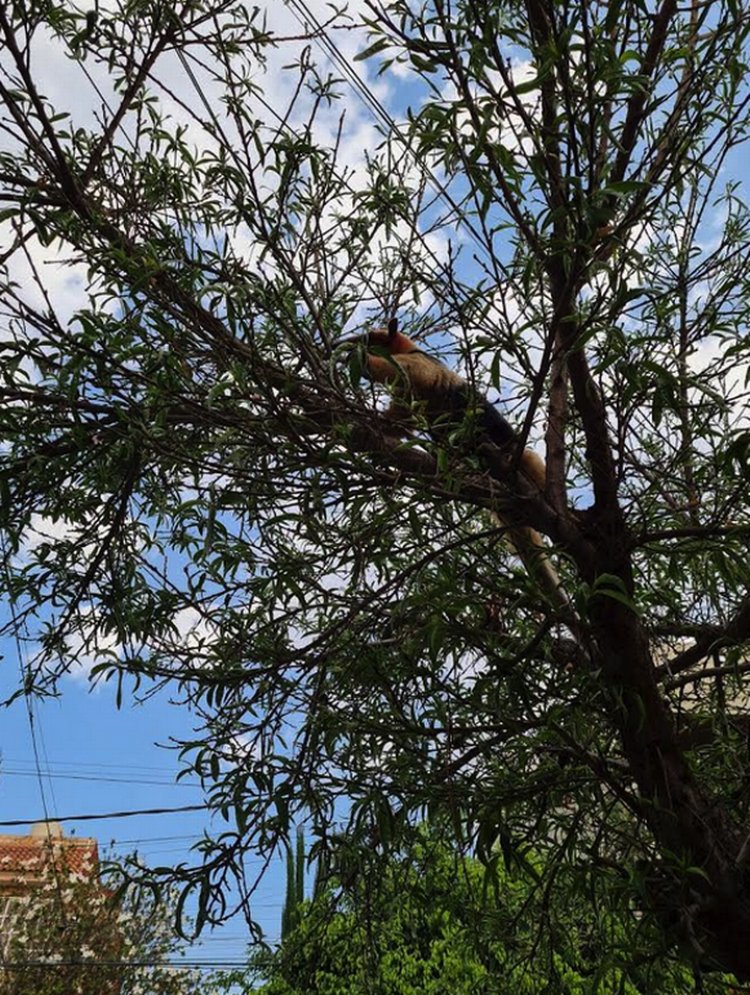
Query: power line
x,y
99,778
26,682
111,815
154,839
301,11
85,765
25,672
182,962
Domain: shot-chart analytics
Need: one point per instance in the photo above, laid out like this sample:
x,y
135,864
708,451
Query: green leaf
x,y
377,46
611,586
624,187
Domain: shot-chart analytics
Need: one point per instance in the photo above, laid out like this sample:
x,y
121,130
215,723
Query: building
x,y
27,861
45,874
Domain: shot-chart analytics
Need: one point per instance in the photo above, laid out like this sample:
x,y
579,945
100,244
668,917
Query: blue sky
x,y
97,758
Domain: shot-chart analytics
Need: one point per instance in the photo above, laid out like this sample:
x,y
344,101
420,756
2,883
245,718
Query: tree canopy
x,y
428,924
199,490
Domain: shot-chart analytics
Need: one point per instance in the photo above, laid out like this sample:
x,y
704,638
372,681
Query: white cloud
x,y
194,628
88,646
86,534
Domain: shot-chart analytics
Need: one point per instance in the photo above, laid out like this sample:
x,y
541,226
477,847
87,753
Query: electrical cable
x,y
439,268
182,962
84,765
301,10
7,771
112,815
24,668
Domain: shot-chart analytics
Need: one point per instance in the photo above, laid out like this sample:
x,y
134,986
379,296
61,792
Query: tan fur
x,y
527,543
415,376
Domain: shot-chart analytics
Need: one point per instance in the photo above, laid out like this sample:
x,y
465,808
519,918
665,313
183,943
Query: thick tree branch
x,y
737,630
637,105
687,679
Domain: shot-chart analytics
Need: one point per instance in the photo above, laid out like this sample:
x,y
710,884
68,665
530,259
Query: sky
x,y
96,758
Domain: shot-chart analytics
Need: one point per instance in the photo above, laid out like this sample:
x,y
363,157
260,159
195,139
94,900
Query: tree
x,y
198,489
429,925
73,936
295,885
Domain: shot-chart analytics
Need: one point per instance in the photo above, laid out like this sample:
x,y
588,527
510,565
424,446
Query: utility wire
x,y
6,771
26,676
440,268
302,12
182,962
84,765
111,815
154,839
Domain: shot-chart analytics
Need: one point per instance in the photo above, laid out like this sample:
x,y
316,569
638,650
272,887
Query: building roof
x,y
24,859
